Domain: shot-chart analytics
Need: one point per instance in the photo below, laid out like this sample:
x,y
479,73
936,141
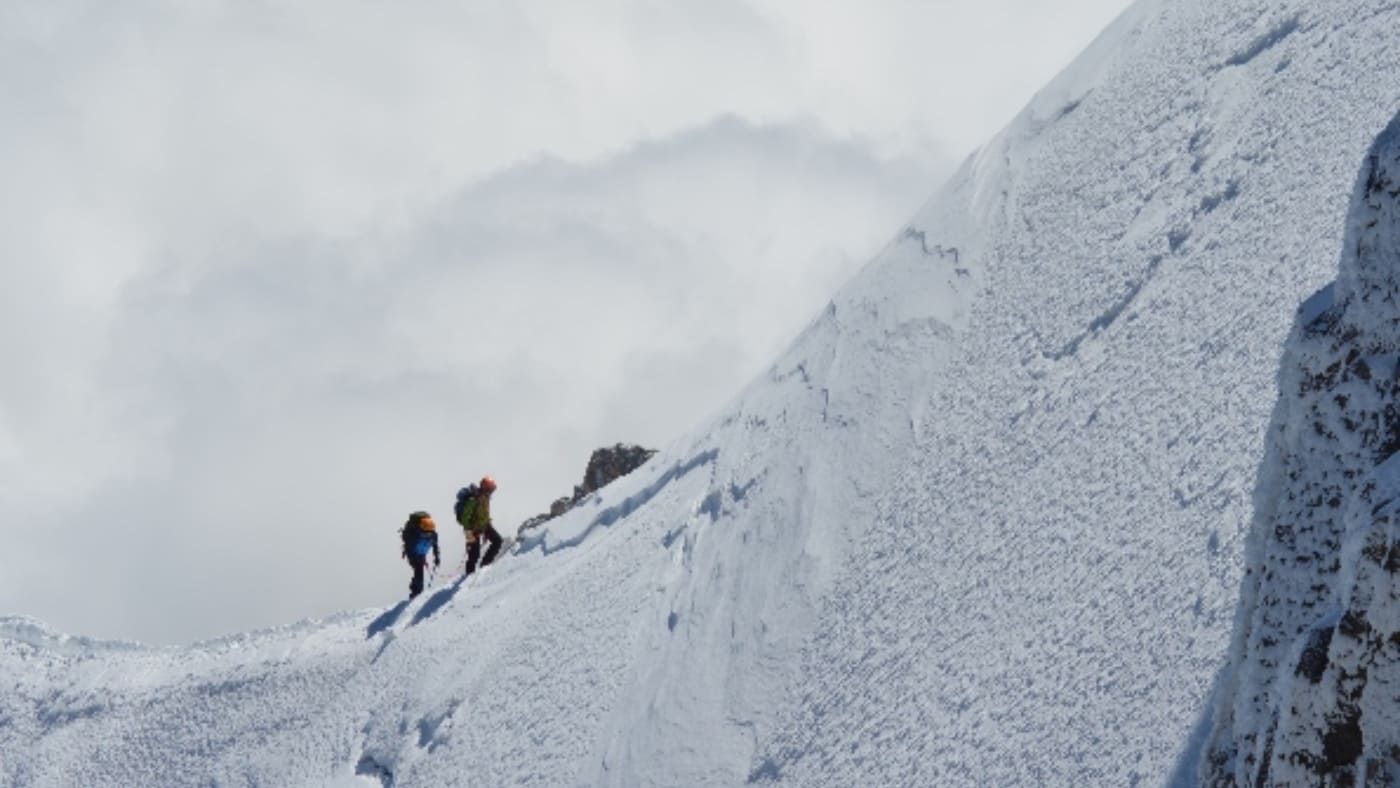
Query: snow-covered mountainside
x,y
983,524
1314,692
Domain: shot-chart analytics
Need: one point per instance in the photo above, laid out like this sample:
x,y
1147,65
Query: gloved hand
x,y
437,561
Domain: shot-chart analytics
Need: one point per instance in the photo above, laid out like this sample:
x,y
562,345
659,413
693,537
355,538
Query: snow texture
x,y
1315,690
984,523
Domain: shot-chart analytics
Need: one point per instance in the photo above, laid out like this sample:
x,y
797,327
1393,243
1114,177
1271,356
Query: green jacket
x,y
476,513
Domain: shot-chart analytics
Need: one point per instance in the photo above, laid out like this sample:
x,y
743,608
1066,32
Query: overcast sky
x,y
274,274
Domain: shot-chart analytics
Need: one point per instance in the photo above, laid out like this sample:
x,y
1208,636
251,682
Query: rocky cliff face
x,y
604,466
1314,693
608,464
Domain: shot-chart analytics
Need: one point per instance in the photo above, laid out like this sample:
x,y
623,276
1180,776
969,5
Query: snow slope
x,y
982,524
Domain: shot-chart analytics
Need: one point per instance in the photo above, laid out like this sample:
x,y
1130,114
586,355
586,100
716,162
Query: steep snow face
x,y
1044,592
983,524
1316,659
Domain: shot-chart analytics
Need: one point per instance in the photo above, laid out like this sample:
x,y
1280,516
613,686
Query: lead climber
x,y
474,515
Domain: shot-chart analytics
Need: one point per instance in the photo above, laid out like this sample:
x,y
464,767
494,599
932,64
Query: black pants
x,y
418,562
474,548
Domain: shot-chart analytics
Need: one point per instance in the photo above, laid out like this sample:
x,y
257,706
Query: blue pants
x,y
418,562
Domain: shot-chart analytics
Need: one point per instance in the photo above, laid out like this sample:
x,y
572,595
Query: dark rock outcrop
x,y
609,464
605,466
1313,697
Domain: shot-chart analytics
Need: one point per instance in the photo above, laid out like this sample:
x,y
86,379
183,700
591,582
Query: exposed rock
x,y
560,506
609,464
1316,653
538,519
604,467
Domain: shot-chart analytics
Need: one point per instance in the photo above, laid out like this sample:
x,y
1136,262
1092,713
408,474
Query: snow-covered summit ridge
x,y
1310,697
31,631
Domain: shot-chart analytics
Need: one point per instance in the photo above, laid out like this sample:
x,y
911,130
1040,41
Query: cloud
x,y
276,274
284,405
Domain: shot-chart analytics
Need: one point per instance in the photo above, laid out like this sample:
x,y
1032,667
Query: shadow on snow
x,y
435,602
385,620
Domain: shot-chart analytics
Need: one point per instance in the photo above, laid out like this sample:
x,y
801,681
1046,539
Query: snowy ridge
x,y
983,524
1316,656
22,629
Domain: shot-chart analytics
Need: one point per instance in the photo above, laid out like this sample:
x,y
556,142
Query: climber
x,y
474,515
419,538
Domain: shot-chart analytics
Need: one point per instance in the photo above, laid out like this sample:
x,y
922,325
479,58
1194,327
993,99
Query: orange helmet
x,y
488,484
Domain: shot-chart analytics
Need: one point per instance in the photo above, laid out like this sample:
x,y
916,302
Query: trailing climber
x,y
474,515
419,539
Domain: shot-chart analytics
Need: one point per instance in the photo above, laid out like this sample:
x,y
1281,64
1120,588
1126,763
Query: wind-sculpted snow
x,y
1043,595
550,540
1316,658
982,524
25,630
